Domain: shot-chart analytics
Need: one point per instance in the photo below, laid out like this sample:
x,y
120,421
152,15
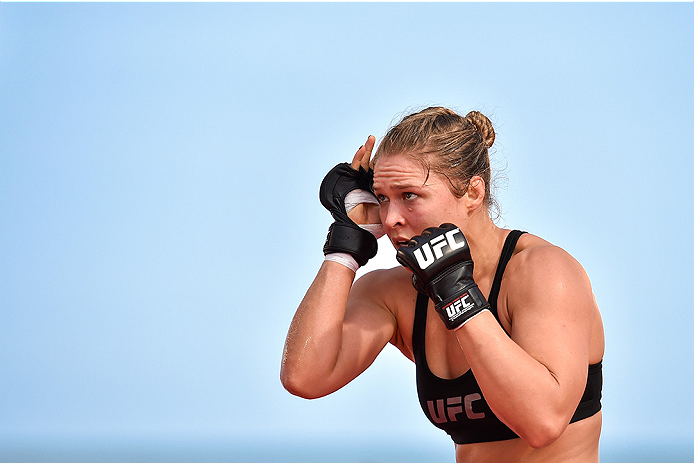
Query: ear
x,y
474,197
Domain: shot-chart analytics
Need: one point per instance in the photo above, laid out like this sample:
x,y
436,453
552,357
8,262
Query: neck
x,y
486,241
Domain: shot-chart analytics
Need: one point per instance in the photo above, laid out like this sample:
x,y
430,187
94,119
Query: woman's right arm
x,y
337,332
339,327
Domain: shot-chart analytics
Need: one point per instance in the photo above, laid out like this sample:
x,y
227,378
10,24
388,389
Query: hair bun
x,y
483,125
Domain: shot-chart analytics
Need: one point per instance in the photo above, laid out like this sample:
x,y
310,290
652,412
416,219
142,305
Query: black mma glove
x,y
345,235
442,269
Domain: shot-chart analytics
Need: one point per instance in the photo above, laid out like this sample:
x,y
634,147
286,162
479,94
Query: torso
x,y
445,358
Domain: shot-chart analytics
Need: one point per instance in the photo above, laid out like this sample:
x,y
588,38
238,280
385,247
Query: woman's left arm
x,y
534,380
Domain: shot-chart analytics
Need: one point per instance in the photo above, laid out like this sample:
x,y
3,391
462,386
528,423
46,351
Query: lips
x,y
399,241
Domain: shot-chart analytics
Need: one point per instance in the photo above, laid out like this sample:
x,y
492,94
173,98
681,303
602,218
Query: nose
x,y
391,216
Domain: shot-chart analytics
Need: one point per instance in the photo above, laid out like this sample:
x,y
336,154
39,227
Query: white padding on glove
x,y
356,197
376,229
343,258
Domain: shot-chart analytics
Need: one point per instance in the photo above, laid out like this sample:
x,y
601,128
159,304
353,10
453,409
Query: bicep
x,y
552,308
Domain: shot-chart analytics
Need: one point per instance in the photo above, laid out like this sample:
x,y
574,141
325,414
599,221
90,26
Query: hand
x,y
442,268
345,236
364,212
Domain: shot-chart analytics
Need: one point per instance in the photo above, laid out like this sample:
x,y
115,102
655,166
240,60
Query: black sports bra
x,y
457,405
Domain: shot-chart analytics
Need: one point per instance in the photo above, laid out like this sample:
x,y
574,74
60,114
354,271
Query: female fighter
x,y
502,325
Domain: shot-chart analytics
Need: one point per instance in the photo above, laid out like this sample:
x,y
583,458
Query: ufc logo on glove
x,y
431,251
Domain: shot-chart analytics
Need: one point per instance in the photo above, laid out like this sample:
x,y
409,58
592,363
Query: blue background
x,y
159,220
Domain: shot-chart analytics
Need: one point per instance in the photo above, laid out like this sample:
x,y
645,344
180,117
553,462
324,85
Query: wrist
x,y
344,259
350,238
470,319
457,310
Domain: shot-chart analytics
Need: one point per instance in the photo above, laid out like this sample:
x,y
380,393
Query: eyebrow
x,y
404,185
396,185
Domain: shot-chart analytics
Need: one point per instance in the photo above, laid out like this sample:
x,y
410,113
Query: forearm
x,y
522,392
314,339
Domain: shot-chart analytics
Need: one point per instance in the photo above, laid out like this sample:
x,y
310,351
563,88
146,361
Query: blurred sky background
x,y
160,222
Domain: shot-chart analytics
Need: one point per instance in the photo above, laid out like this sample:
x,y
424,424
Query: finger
x,y
368,149
363,154
356,161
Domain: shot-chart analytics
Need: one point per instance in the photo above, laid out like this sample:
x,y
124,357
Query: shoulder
x,y
535,257
540,274
391,290
384,281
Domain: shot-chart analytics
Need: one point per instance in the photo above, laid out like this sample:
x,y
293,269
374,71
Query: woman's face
x,y
408,205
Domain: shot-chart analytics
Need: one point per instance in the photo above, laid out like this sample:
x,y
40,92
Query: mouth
x,y
399,241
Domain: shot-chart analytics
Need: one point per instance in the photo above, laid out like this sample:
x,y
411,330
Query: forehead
x,y
399,171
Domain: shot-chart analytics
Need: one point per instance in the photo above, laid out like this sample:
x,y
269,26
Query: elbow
x,y
291,384
304,388
544,433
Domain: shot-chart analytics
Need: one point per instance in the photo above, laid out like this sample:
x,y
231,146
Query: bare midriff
x,y
578,444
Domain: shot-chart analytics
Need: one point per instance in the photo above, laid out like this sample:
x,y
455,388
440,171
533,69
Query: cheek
x,y
433,217
418,220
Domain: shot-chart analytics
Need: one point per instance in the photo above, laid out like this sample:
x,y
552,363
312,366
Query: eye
x,y
408,196
381,198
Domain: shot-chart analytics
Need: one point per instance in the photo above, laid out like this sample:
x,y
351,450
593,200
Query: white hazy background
x,y
160,222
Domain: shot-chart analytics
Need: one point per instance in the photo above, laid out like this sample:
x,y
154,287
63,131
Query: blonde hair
x,y
444,142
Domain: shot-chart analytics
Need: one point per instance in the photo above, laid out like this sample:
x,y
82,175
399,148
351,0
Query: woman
x,y
502,325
